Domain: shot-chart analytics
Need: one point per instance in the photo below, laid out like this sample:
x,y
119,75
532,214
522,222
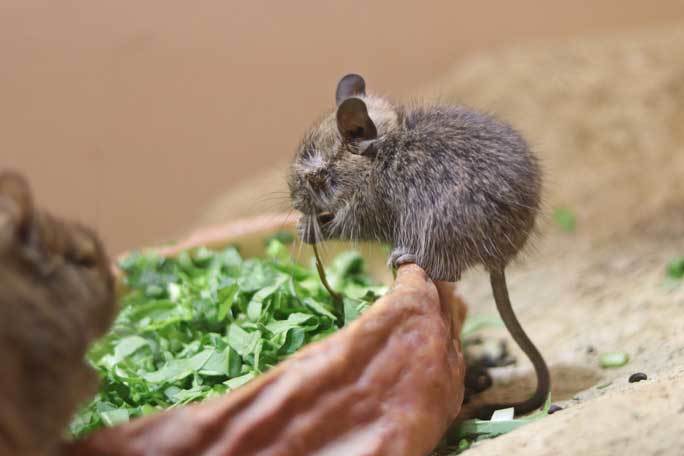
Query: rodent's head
x,y
329,177
58,295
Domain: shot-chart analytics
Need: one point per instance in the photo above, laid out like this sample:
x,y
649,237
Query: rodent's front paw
x,y
400,256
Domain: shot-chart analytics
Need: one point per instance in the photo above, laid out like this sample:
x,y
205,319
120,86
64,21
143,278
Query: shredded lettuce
x,y
675,268
565,219
207,322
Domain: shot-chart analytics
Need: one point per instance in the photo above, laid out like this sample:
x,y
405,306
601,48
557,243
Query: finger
x,y
411,274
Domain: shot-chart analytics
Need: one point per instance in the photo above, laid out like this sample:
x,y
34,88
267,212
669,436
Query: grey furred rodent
x,y
448,188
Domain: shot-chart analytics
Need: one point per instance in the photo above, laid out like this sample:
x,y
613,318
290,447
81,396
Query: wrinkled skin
x,y
56,296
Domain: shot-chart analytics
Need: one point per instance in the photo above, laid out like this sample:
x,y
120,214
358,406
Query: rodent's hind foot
x,y
400,256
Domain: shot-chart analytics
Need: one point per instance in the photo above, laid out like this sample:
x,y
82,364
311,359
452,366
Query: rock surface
x,y
606,115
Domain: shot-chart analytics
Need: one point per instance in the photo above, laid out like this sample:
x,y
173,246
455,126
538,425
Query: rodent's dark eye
x,y
325,217
85,261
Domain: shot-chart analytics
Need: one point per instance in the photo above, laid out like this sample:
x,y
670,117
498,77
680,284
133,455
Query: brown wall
x,y
131,117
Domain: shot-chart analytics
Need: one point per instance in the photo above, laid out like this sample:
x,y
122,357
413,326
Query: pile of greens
x,y
207,322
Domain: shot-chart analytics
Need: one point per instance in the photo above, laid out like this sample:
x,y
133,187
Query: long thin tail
x,y
503,304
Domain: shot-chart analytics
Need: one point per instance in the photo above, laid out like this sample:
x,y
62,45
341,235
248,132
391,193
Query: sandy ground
x,y
131,115
606,115
612,141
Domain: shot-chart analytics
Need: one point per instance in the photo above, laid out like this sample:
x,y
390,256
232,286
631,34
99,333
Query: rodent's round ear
x,y
16,206
350,85
353,121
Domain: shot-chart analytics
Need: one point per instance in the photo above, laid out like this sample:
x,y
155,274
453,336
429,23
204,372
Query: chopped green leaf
x,y
675,268
243,342
237,382
207,322
503,414
125,347
473,430
178,369
565,218
116,416
613,359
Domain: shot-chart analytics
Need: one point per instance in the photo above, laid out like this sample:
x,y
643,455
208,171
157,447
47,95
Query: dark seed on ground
x,y
637,377
591,349
554,408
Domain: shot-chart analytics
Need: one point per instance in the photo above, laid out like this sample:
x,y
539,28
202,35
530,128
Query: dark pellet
x,y
477,379
637,377
554,408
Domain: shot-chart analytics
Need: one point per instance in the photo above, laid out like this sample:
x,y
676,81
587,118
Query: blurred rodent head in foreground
x,y
58,295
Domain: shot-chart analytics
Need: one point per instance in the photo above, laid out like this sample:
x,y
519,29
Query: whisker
x,y
298,252
282,226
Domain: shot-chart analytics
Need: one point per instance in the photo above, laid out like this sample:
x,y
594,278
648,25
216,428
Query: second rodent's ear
x,y
353,121
351,85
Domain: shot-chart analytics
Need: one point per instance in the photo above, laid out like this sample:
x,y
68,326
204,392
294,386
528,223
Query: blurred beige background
x,y
132,116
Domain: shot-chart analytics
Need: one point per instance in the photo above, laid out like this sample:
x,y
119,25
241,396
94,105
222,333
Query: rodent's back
x,y
465,186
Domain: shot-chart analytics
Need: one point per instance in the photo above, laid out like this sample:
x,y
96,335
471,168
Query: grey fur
x,y
448,188
445,186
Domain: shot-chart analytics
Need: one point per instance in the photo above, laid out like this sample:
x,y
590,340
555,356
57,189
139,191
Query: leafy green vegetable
x,y
675,268
474,430
284,237
565,218
613,359
207,322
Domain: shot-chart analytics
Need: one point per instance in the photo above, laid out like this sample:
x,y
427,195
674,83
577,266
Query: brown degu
x,y
56,296
446,187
